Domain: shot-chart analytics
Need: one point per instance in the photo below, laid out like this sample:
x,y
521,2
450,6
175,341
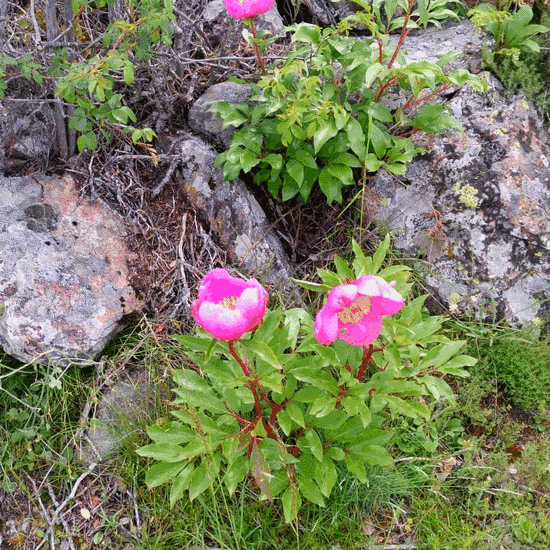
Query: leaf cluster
x,y
305,413
512,31
318,117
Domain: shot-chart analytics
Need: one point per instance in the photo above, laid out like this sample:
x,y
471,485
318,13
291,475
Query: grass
x,y
475,476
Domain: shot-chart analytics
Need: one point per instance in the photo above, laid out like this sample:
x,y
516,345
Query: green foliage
x,y
306,412
512,31
90,83
24,65
317,118
521,364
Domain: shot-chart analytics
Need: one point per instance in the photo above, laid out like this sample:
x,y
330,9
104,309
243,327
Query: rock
x,y
234,215
63,276
208,124
26,129
476,207
119,409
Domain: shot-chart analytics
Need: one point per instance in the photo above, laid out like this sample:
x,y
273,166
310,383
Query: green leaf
x,y
356,406
162,472
314,443
165,452
375,455
325,131
326,475
356,138
181,484
235,474
291,504
400,406
356,466
439,355
87,141
264,352
172,432
296,171
380,254
296,414
128,73
309,489
199,481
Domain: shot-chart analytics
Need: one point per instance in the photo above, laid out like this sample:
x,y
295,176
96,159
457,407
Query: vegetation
x,y
473,473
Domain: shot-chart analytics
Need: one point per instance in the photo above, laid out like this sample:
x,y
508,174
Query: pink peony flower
x,y
353,312
228,307
243,9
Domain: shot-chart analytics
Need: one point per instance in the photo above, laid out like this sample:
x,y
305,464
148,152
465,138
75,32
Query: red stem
x,y
243,364
255,44
367,358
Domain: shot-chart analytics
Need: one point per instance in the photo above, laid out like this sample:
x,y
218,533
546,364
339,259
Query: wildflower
x,y
353,312
228,307
243,9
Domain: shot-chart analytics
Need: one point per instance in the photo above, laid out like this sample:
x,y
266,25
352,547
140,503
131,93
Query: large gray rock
x,y
234,215
208,124
476,207
63,277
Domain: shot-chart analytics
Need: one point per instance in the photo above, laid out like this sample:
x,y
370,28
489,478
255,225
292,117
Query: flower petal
x,y
221,322
247,8
385,299
218,285
362,333
326,326
341,296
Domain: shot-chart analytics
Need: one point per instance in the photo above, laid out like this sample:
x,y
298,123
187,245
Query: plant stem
x,y
255,44
367,358
244,366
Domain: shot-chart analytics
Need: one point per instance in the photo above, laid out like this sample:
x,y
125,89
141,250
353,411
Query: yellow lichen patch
x,y
355,311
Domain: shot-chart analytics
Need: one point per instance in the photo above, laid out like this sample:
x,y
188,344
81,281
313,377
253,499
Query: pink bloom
x,y
353,312
228,307
243,9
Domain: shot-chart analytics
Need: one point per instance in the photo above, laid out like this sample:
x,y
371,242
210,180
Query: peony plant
x,y
288,403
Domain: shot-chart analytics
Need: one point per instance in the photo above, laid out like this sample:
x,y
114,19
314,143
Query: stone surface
x,y
63,277
116,417
208,124
234,215
476,207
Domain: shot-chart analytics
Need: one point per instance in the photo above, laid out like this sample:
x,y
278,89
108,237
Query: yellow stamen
x,y
230,302
355,311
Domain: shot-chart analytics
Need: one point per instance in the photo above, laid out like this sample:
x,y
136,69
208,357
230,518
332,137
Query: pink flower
x,y
353,312
243,9
228,307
